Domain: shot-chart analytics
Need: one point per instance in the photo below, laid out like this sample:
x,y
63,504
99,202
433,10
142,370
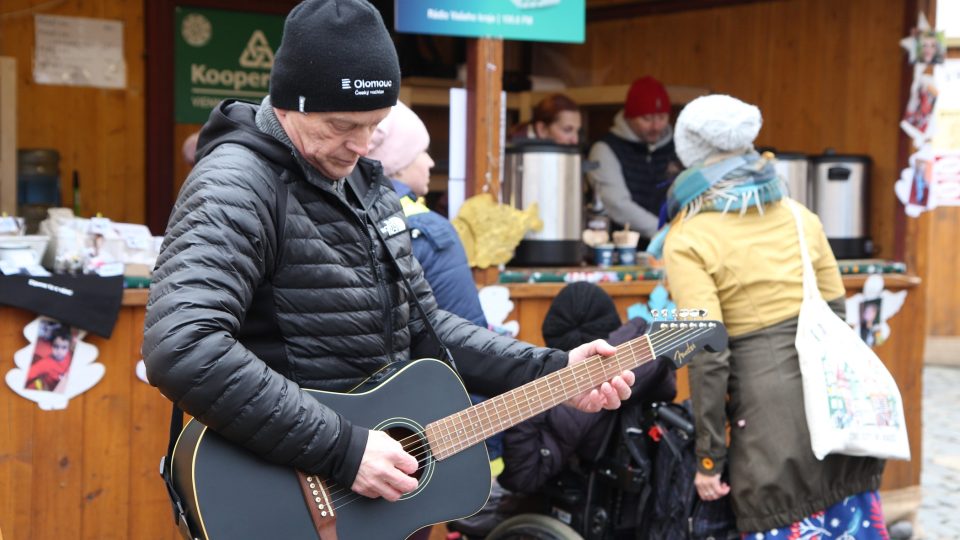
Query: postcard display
x,y
932,121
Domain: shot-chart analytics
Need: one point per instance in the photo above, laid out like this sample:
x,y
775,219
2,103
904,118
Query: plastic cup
x,y
628,255
603,254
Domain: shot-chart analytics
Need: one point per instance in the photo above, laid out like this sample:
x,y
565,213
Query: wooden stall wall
x,y
824,73
944,296
89,471
98,132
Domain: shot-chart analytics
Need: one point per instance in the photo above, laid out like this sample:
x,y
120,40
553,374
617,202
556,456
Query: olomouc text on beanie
x,y
335,55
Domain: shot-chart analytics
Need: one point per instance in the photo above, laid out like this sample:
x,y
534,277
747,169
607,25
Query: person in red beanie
x,y
636,159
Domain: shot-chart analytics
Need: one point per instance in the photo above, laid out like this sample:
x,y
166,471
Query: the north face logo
x,y
257,53
392,226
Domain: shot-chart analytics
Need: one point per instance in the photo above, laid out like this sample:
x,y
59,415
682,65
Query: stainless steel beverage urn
x,y
547,174
841,198
793,168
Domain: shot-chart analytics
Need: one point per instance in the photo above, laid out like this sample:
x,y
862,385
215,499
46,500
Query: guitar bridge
x,y
317,497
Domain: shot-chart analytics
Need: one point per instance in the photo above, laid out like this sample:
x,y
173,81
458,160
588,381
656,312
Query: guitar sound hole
x,y
415,445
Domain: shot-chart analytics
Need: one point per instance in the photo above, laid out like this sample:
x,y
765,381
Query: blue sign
x,y
528,20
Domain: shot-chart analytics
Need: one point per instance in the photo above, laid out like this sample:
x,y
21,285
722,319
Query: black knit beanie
x,y
335,55
580,313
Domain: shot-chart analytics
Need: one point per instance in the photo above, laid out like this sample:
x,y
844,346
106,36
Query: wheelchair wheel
x,y
533,527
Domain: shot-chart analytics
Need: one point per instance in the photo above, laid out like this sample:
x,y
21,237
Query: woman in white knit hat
x,y
731,247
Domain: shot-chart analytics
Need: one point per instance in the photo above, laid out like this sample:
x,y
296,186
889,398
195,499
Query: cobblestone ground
x,y
939,514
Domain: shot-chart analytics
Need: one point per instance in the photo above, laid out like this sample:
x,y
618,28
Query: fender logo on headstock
x,y
679,355
677,340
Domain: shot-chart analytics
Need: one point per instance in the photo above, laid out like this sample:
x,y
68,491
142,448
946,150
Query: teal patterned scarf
x,y
735,183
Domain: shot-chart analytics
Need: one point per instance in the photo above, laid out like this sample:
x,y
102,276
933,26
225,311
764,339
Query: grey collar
x,y
268,123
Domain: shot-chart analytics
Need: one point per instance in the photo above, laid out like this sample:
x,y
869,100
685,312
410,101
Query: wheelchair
x,y
601,499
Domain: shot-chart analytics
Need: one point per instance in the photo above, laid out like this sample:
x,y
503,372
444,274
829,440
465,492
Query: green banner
x,y
220,55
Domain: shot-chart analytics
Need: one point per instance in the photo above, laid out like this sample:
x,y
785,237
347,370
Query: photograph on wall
x,y
869,311
52,355
870,321
920,187
920,106
931,47
55,366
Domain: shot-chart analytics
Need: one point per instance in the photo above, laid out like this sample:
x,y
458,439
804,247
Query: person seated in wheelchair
x,y
539,451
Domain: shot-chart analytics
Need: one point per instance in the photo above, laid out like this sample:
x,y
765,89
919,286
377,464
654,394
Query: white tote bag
x,y
852,403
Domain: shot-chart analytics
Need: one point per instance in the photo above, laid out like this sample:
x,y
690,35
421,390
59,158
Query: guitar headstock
x,y
687,332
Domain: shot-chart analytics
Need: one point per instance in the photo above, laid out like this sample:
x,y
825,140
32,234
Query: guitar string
x,y
483,408
656,340
351,496
564,379
593,366
424,450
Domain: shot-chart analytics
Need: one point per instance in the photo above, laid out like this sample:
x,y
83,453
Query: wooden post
x,y
484,86
8,135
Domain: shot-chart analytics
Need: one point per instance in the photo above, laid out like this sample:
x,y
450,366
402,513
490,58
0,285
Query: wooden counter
x,y
902,353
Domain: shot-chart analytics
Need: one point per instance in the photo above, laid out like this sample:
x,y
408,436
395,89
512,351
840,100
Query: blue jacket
x,y
438,248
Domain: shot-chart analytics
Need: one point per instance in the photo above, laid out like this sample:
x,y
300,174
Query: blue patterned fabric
x,y
858,517
756,184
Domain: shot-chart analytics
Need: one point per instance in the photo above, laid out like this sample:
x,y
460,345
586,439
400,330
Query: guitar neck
x,y
451,434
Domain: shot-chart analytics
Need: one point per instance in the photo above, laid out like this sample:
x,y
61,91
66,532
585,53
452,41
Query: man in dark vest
x,y
636,159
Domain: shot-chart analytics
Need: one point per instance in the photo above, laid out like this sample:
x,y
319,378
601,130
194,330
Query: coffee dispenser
x,y
794,169
548,174
840,189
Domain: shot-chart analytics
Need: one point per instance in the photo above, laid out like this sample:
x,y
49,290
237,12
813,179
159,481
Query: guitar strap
x,y
445,354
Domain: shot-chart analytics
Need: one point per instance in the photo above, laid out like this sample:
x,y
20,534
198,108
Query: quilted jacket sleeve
x,y
489,363
219,236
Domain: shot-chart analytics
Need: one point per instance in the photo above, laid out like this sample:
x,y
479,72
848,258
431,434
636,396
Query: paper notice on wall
x,y
78,51
947,135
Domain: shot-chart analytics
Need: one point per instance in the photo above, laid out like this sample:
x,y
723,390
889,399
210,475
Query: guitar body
x,y
232,494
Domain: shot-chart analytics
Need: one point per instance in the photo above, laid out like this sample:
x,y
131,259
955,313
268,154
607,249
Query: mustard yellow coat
x,y
747,271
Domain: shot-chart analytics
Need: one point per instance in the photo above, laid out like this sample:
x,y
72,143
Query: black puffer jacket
x,y
240,316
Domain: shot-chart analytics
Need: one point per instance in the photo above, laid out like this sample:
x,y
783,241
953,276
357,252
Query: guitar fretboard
x,y
461,430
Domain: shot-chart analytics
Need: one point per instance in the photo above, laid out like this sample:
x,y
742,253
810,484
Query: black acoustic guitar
x,y
231,494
